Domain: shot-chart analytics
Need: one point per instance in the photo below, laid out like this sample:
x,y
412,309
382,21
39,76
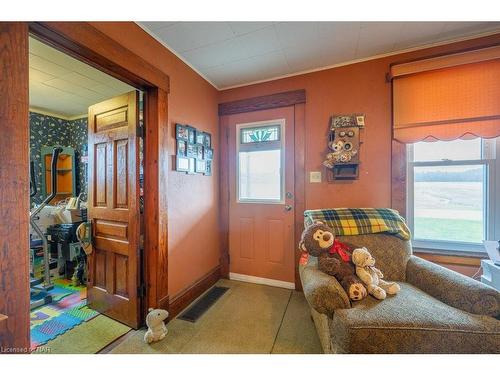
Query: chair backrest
x,y
390,252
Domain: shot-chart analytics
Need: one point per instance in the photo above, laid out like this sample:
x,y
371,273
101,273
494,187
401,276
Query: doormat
x,y
201,306
66,312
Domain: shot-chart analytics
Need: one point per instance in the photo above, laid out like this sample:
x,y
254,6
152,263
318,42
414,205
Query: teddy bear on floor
x,y
334,258
371,276
156,325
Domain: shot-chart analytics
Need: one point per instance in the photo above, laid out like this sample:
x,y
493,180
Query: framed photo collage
x,y
194,150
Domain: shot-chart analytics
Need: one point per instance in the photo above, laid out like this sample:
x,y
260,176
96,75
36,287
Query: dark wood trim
x,y
468,266
224,197
398,177
14,190
155,199
461,47
454,253
183,299
282,99
300,181
299,170
84,42
452,259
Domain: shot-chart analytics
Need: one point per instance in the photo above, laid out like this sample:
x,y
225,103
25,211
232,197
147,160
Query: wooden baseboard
x,y
181,300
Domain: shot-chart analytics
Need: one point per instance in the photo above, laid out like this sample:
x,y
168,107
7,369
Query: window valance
x,y
448,97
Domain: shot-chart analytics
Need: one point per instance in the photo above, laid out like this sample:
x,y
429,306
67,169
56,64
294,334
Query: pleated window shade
x,y
447,98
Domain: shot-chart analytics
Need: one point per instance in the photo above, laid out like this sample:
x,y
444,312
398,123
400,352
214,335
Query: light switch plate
x,y
314,177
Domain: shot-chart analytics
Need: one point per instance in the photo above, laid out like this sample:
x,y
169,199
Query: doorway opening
x,y
86,166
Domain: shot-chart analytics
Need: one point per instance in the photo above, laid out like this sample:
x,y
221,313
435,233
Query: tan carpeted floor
x,y
248,318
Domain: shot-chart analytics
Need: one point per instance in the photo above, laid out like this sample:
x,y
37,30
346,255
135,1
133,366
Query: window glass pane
x,y
260,134
449,203
259,175
452,150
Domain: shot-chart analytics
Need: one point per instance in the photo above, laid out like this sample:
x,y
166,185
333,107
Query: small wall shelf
x,y
66,172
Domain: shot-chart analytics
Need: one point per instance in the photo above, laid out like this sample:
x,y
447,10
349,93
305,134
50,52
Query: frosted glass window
x,y
260,175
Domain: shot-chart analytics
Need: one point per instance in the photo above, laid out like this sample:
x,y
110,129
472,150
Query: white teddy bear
x,y
156,325
371,276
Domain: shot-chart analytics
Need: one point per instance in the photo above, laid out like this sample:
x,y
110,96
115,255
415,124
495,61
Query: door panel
x,y
246,230
114,208
275,241
261,237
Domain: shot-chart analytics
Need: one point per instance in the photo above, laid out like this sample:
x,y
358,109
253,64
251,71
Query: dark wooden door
x,y
114,265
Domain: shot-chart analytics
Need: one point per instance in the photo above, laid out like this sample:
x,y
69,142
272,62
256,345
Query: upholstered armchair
x,y
436,311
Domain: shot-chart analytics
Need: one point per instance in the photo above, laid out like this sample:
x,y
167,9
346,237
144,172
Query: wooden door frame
x,y
86,43
296,99
14,172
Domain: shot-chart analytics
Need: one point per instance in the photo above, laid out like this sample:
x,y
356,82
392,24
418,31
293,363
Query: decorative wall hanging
x,y
343,156
194,153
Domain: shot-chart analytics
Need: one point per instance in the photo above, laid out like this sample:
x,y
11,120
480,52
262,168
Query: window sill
x,y
451,253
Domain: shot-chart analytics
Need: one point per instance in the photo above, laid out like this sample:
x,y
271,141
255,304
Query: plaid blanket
x,y
353,221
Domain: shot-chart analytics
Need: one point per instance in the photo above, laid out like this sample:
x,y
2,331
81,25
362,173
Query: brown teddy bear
x,y
334,258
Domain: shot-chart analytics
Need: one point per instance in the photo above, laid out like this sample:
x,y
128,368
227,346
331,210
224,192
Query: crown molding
x,y
326,67
374,57
45,112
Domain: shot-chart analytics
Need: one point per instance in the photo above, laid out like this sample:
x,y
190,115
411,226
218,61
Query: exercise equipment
x,y
41,287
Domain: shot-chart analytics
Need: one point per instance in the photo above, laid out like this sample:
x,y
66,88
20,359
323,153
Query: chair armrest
x,y
323,292
452,288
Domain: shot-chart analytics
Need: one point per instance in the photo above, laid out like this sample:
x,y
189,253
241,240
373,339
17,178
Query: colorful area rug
x,y
68,310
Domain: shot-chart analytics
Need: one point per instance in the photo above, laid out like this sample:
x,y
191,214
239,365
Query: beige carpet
x,y
248,318
86,338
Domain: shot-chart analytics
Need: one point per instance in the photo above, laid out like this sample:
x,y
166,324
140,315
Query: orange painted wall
x,y
355,88
192,200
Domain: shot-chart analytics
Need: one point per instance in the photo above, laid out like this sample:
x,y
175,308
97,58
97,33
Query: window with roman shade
x,y
447,98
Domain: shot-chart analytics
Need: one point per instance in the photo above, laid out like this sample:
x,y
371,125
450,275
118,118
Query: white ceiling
x,y
64,86
236,53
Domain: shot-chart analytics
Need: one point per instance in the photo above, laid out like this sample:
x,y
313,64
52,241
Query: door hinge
x,y
141,291
140,131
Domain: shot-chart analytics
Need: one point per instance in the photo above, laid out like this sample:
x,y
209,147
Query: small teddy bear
x,y
334,258
156,325
371,276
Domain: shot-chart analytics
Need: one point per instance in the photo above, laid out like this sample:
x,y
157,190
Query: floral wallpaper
x,y
78,140
48,131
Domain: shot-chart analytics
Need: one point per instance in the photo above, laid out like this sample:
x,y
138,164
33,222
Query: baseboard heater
x,y
201,306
